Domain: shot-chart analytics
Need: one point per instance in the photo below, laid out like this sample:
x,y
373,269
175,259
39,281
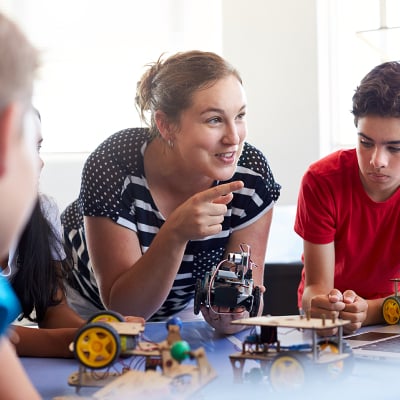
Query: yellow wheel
x,y
328,347
107,316
391,310
287,372
340,368
97,345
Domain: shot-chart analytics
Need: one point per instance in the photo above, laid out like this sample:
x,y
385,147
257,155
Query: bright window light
x,y
94,52
357,35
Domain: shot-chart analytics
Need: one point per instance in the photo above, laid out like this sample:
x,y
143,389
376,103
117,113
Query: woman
x,y
159,207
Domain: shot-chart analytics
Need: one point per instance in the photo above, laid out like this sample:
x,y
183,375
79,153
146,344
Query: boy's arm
x,y
319,265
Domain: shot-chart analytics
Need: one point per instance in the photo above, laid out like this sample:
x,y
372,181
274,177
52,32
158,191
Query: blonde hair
x,y
19,61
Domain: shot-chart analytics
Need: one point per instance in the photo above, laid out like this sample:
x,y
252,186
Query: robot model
x,y
229,285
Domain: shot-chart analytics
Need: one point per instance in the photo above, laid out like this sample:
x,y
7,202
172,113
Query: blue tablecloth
x,y
369,380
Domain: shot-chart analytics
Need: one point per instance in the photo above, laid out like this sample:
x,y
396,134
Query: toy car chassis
x,y
107,338
292,367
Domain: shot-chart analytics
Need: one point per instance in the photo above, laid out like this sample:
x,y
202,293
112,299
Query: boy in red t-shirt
x,y
348,211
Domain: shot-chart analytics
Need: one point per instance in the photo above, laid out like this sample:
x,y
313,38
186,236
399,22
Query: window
x,y
354,36
93,53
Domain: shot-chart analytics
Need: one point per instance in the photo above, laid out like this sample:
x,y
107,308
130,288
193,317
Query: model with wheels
x,y
104,338
288,368
229,285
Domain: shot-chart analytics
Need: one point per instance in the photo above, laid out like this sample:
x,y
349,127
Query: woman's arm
x,y
136,284
129,282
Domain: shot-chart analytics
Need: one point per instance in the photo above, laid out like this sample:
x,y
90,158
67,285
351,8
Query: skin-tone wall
x,y
274,46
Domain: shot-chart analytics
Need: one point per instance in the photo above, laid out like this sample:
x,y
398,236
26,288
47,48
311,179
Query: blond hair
x,y
19,61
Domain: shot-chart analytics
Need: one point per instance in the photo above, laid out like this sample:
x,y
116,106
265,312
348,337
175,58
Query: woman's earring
x,y
170,143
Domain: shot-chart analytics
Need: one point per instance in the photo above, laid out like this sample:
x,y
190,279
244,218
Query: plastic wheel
x,y
97,345
337,369
391,310
256,301
197,296
107,316
287,372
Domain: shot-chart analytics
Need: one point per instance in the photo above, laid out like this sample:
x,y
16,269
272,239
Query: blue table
x,y
369,380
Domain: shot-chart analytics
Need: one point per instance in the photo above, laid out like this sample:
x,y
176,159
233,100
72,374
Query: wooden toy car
x,y
292,367
104,339
107,338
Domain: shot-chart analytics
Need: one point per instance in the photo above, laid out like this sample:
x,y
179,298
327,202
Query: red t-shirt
x,y
333,206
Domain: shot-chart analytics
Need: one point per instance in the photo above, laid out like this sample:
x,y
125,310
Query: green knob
x,y
180,350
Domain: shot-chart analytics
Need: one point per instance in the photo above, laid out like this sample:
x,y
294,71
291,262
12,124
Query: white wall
x,y
274,46
273,43
61,175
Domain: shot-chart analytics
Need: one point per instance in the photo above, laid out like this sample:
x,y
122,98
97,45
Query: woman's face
x,y
211,132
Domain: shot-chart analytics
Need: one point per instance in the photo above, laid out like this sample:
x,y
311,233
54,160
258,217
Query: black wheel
x,y
97,345
198,296
256,301
287,372
107,316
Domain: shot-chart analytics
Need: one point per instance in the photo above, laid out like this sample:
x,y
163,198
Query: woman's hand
x,y
203,213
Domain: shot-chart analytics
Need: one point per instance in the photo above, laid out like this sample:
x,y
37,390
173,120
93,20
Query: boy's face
x,y
18,181
378,153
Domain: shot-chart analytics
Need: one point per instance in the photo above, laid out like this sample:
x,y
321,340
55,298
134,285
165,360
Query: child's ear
x,y
8,117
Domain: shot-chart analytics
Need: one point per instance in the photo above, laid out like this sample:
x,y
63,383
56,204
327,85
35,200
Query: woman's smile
x,y
227,158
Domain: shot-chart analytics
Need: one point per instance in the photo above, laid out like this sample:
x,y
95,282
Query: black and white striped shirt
x,y
114,186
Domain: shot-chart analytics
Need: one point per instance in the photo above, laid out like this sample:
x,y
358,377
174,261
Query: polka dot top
x,y
114,186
